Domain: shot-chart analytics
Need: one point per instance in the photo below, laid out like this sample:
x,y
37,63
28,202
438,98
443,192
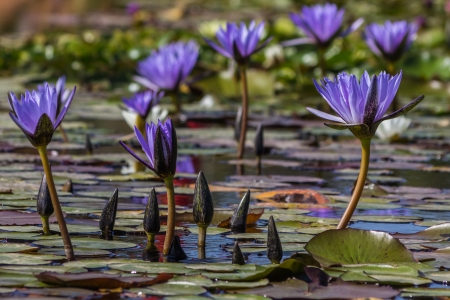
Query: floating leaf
x,y
352,246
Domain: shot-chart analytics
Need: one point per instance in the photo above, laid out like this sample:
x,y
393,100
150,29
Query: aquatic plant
x,y
240,43
168,66
36,115
160,147
139,106
391,130
321,24
390,39
62,96
44,205
361,107
202,208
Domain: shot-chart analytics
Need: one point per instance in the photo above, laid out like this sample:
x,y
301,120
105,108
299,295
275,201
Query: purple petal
x,y
325,116
135,156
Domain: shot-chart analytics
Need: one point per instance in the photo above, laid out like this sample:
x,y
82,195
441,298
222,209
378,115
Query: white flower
x,y
156,114
273,54
392,129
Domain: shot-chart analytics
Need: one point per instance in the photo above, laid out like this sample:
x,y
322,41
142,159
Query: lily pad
x,y
353,246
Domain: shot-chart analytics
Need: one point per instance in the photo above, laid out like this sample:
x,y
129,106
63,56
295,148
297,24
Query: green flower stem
x,y
241,146
175,95
170,214
322,64
63,133
55,201
364,168
150,239
391,70
140,124
45,225
202,236
323,70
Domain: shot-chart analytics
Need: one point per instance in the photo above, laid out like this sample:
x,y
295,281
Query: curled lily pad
x,y
353,246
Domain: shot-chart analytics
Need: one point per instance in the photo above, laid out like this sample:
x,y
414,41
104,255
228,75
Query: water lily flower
x,y
321,24
239,42
36,114
392,129
391,39
168,66
143,102
361,106
138,108
61,91
160,147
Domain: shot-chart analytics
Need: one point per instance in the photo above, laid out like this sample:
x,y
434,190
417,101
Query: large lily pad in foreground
x,y
353,246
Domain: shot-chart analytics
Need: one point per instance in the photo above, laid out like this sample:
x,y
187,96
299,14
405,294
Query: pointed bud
x,y
88,145
239,218
108,217
237,258
274,249
68,187
203,207
161,151
151,217
259,140
44,204
176,252
238,124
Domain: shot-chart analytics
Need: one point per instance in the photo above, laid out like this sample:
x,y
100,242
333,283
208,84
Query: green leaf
x,y
353,246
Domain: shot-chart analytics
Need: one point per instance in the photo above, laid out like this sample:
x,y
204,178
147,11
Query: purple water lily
x,y
62,93
360,105
390,39
168,66
36,113
160,147
239,42
143,102
321,24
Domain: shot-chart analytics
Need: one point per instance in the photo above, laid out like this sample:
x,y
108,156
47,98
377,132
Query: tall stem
x,y
175,95
55,201
363,169
323,70
322,64
170,215
241,146
391,70
63,133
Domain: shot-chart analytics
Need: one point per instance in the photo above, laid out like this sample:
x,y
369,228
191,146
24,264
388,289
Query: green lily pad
x,y
353,246
432,233
285,238
228,285
14,248
400,280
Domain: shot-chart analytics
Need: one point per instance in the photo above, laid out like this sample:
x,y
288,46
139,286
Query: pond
x,y
271,217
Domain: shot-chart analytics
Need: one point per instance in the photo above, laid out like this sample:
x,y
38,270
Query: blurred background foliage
x,y
97,43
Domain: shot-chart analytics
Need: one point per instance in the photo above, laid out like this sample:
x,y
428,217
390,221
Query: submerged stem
x,y
170,215
364,168
241,146
55,201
